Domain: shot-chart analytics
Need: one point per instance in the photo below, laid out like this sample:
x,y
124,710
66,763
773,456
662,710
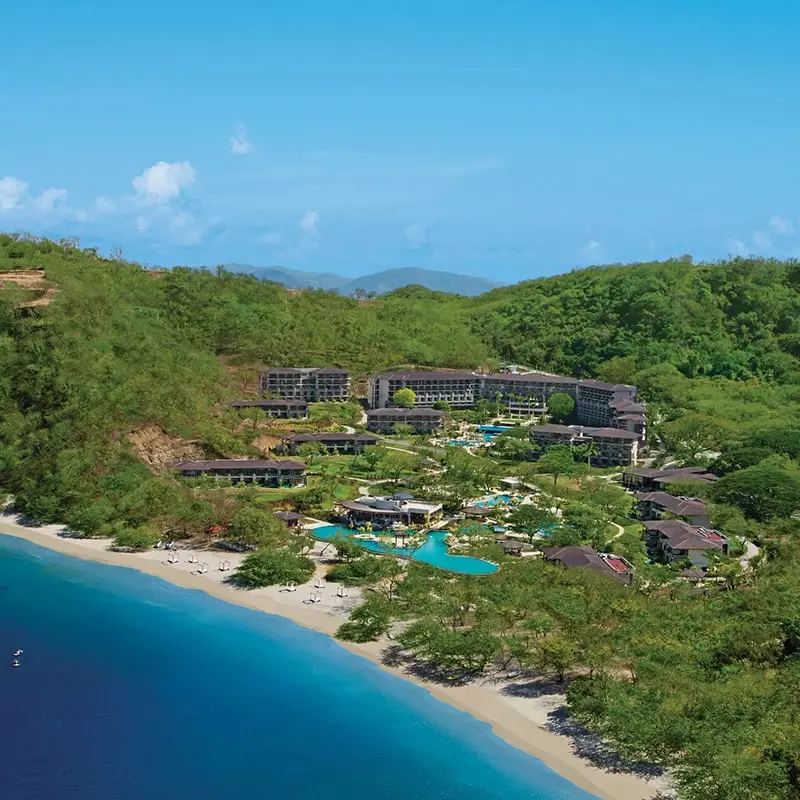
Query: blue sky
x,y
507,139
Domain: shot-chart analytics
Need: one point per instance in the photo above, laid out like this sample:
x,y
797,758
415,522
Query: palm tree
x,y
587,451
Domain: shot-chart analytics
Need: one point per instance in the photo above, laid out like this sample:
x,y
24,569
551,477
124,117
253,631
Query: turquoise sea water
x,y
134,689
432,551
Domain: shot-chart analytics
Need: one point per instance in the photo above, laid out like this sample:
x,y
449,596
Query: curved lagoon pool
x,y
432,551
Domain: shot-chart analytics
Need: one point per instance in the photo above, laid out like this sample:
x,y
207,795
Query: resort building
x,y
614,447
383,512
673,540
272,473
654,479
598,404
275,409
306,383
422,420
587,557
458,389
660,505
342,443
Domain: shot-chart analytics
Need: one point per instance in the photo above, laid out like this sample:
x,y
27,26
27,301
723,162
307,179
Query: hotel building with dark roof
x,y
311,384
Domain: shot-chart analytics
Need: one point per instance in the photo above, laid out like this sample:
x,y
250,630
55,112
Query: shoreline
x,y
518,720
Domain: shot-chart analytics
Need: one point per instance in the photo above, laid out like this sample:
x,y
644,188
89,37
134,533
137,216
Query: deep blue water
x,y
133,689
432,551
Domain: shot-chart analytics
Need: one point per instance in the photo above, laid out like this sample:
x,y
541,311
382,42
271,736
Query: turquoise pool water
x,y
498,499
432,551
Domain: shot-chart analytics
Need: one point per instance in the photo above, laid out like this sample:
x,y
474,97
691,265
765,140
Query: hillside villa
x,y
585,557
654,479
271,473
673,540
341,443
660,505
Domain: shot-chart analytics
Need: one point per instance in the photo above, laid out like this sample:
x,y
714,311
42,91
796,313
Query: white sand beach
x,y
526,713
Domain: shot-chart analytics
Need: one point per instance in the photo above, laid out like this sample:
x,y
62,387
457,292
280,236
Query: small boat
x,y
16,662
17,653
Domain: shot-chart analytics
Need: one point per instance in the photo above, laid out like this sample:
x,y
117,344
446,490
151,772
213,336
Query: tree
x,y
786,442
560,406
558,460
403,429
556,653
308,451
250,525
585,451
739,458
443,405
590,523
769,489
515,444
136,539
272,567
371,620
531,520
347,548
692,435
404,398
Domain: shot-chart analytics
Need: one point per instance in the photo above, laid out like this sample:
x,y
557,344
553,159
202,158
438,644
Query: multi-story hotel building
x,y
306,383
596,403
272,473
422,420
615,447
275,409
342,443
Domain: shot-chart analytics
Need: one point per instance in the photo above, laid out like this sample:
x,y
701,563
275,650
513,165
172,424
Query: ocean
x,y
134,689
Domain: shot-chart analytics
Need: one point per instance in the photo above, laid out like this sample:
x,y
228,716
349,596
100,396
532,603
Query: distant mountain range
x,y
378,282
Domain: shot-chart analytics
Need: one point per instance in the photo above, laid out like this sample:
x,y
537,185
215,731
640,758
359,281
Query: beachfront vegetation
x,y
702,680
270,567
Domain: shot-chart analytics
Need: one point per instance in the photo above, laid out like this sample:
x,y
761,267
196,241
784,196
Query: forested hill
x,y
120,346
736,319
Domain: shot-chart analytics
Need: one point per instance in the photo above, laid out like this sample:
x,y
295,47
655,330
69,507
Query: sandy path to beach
x,y
516,713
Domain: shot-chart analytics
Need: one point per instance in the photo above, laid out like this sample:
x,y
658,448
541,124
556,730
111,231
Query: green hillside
x,y
119,347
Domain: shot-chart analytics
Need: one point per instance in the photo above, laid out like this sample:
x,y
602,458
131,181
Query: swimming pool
x,y
432,551
496,500
491,431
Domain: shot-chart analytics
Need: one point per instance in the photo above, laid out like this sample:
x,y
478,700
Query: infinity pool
x,y
432,551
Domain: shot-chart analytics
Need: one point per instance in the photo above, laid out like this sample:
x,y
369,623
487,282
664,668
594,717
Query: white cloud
x,y
164,181
105,205
240,144
781,226
12,191
737,247
309,222
592,251
416,235
272,238
762,240
48,199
